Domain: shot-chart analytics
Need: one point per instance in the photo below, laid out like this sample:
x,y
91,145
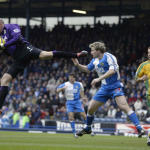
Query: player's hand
x,y
145,77
95,81
75,61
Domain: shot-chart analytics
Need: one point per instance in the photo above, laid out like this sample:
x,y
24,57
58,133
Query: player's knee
x,y
84,117
125,108
46,55
91,110
5,80
71,118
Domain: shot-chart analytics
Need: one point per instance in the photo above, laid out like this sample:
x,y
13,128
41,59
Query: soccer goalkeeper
x,y
22,52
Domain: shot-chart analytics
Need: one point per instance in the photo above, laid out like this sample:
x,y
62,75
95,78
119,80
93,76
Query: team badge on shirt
x,y
16,30
102,64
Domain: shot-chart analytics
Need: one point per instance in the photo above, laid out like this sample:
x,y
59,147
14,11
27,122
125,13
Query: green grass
x,y
44,141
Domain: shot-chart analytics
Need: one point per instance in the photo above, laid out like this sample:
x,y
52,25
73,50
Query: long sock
x,y
133,117
72,123
90,118
60,54
85,121
3,94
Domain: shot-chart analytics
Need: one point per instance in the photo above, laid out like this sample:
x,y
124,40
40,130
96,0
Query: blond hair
x,y
98,46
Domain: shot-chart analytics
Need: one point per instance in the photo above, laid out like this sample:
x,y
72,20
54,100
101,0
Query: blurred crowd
x,y
33,93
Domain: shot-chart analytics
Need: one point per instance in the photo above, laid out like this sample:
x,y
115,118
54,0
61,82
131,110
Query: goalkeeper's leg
x,y
4,88
60,54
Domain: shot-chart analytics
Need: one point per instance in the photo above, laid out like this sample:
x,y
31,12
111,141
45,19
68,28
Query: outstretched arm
x,y
81,67
61,89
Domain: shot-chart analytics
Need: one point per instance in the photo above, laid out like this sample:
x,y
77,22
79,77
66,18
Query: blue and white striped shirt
x,y
72,91
108,62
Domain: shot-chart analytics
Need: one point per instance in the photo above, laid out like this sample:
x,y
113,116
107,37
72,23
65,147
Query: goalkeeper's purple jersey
x,y
108,62
11,34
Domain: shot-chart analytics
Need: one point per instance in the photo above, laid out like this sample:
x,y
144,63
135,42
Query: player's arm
x,y
62,87
82,94
15,33
13,41
82,91
104,76
83,68
143,78
139,75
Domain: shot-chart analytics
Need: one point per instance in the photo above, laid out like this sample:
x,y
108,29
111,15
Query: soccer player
x,y
105,64
73,92
22,52
143,75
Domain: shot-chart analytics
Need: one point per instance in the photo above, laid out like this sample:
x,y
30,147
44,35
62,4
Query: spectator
x,y
138,105
111,112
118,113
142,117
131,98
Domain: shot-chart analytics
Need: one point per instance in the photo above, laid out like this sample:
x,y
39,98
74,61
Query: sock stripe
x,y
130,112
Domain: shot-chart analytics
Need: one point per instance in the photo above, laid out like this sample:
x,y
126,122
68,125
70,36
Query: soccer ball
x,y
92,134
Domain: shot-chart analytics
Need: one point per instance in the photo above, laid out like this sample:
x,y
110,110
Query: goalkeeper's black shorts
x,y
22,57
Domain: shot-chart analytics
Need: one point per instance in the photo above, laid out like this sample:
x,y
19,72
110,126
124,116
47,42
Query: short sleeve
x,y
140,71
112,62
91,66
62,85
81,87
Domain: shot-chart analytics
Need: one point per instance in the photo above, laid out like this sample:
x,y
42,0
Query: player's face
x,y
1,27
95,53
149,53
71,79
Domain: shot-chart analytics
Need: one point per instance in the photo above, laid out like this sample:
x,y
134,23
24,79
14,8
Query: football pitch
x,y
44,141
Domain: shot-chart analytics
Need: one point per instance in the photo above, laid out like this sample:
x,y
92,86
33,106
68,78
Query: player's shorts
x,y
22,56
74,106
103,94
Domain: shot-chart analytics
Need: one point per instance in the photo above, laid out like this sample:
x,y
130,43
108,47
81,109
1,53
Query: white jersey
x,y
72,91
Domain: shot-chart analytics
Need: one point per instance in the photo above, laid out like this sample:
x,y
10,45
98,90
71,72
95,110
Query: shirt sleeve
x,y
111,62
81,87
91,66
15,32
62,85
140,71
